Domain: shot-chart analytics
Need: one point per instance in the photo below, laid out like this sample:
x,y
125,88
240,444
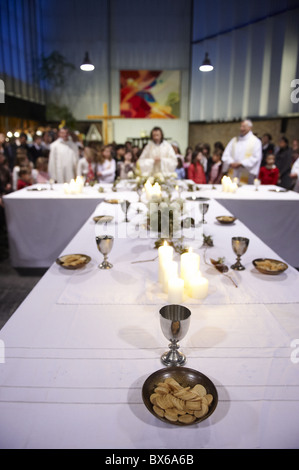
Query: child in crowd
x,y
25,178
216,168
196,171
87,165
125,167
180,170
42,175
106,168
269,174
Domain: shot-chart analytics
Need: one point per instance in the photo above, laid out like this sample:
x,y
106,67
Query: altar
x,y
80,347
42,221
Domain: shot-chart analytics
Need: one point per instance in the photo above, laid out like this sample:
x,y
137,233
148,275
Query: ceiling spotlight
x,y
206,65
87,66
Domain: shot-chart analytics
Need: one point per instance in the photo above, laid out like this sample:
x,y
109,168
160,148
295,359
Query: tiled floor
x,y
15,285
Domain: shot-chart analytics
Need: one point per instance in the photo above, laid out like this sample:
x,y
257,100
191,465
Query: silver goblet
x,y
174,321
139,192
125,207
240,245
204,207
105,244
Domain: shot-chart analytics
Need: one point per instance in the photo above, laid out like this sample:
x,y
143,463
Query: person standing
x,y
158,155
36,150
243,154
283,161
196,171
63,158
267,147
106,168
87,165
269,173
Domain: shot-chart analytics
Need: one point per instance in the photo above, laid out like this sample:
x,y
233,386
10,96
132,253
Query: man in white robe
x,y
243,154
295,175
158,156
63,158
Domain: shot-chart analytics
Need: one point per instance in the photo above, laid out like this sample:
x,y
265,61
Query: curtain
x,y
20,48
254,64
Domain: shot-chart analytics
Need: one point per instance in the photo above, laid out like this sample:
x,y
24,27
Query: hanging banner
x,y
150,94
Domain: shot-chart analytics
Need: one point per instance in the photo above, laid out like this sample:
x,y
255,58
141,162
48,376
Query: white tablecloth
x,y
73,372
41,223
272,215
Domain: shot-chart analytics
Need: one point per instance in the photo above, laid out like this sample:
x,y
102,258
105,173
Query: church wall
x,y
254,48
120,35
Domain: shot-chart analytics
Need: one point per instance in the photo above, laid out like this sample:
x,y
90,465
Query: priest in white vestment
x,y
63,158
158,156
243,154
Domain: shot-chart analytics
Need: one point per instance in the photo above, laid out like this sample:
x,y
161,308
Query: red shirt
x,y
269,176
22,184
196,173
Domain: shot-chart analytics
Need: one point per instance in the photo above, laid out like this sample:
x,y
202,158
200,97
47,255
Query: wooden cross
x,y
105,118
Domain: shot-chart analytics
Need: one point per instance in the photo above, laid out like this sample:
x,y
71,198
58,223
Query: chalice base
x,y
105,265
173,358
238,267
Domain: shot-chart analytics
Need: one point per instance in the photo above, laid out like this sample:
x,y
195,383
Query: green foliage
x,y
54,69
55,112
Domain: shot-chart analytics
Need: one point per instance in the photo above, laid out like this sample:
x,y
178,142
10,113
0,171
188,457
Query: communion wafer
x,y
158,411
201,413
186,419
176,403
200,390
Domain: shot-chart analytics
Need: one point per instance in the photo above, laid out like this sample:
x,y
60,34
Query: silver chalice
x,y
240,245
125,207
139,192
204,207
174,321
105,244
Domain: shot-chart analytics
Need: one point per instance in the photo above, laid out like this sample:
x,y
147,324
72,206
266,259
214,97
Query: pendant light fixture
x,y
206,65
87,65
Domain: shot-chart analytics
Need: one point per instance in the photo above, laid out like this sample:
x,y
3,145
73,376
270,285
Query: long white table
x,y
41,223
79,348
272,214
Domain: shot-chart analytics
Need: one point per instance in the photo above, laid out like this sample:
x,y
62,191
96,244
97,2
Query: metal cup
x,y
240,245
105,244
174,321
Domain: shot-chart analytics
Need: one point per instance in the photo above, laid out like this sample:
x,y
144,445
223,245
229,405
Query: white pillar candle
x,y
175,290
189,265
170,271
148,190
66,188
234,187
165,253
198,287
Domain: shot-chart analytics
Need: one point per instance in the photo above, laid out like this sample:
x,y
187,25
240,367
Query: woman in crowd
x,y
106,167
283,161
196,171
